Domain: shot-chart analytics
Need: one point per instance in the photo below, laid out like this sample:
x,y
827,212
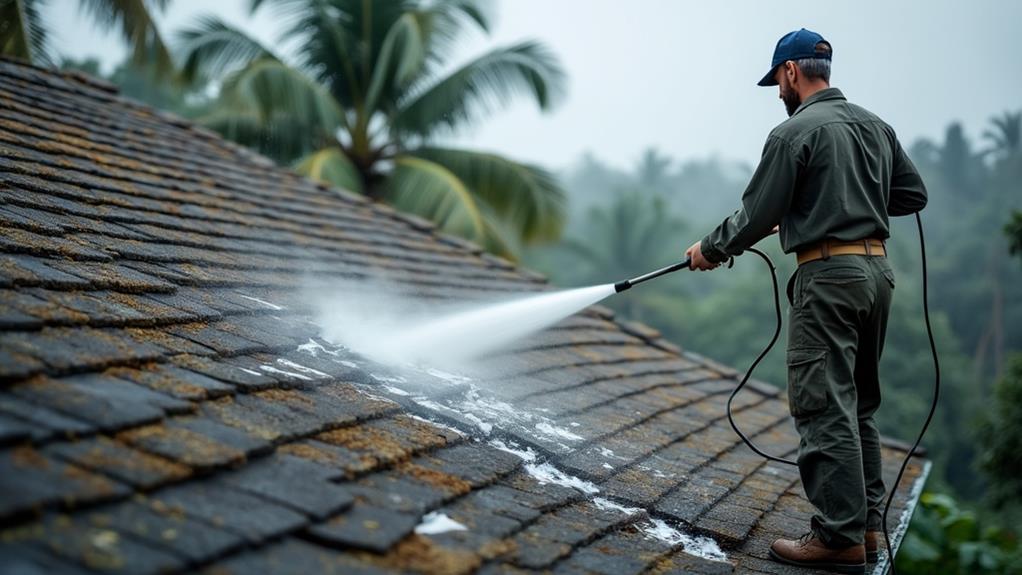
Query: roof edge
x,y
904,446
881,566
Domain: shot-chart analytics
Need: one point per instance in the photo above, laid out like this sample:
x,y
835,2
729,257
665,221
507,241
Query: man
x,y
830,176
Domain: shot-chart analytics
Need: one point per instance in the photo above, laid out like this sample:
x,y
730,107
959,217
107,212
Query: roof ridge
x,y
90,80
91,83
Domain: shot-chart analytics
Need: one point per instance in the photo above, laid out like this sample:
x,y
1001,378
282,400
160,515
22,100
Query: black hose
x,y
936,393
759,358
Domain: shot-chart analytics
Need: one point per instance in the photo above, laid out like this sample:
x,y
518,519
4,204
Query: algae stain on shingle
x,y
450,483
419,554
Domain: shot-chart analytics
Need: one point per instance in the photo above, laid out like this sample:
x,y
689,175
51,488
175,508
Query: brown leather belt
x,y
827,248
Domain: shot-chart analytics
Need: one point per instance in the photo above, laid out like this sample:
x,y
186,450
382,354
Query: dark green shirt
x,y
833,170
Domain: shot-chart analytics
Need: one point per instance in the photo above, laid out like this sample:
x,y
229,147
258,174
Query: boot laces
x,y
805,538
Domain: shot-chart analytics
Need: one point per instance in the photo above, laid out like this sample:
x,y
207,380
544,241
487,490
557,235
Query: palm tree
x,y
652,170
1006,134
959,165
632,235
23,34
367,93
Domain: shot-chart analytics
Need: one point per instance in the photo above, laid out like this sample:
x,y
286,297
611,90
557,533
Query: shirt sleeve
x,y
764,202
908,193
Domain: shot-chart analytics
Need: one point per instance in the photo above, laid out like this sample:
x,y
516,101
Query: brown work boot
x,y
874,539
809,551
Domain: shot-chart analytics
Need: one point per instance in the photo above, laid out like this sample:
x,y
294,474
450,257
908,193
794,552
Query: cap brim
x,y
768,80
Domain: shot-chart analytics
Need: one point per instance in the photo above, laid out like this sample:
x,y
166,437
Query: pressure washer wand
x,y
623,285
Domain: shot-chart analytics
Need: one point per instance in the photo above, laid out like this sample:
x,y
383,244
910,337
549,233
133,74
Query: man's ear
x,y
791,71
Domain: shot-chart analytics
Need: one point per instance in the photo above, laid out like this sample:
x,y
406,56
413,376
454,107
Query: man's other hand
x,y
695,253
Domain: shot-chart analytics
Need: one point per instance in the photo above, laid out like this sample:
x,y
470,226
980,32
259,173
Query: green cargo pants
x,y
838,320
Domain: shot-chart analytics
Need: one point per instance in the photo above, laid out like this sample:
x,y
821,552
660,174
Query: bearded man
x,y
829,178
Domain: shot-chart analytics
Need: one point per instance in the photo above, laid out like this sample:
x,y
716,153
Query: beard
x,y
791,101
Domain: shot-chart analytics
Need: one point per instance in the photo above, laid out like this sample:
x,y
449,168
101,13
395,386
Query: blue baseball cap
x,y
794,46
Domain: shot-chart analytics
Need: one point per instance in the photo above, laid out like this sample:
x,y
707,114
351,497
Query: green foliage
x,y
1013,229
24,34
137,28
143,82
971,278
653,170
212,48
475,88
944,539
1000,434
1005,134
367,92
331,165
528,195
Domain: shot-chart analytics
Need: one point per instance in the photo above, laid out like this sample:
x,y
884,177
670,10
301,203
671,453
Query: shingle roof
x,y
166,404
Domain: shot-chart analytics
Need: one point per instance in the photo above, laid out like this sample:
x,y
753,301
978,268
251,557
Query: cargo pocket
x,y
807,381
889,276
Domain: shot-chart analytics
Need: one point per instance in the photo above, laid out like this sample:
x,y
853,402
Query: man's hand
x,y
698,261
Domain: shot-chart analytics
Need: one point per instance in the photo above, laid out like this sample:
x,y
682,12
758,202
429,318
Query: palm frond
x,y
213,48
330,165
527,198
342,38
478,12
400,59
271,87
499,238
1005,135
327,41
481,86
139,30
432,191
23,33
277,136
444,21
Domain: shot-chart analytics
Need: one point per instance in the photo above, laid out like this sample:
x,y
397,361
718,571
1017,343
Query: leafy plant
x,y
367,93
1005,134
1013,229
945,539
24,33
1000,433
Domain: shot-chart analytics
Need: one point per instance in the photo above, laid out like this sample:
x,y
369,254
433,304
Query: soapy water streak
x,y
410,334
392,332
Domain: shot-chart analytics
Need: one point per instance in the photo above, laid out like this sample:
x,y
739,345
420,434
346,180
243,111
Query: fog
x,y
681,76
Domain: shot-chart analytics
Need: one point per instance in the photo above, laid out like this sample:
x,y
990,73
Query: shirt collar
x,y
820,96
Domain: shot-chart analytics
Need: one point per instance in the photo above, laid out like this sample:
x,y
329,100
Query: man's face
x,y
787,93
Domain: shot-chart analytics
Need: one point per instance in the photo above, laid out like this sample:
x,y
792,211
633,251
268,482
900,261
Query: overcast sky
x,y
681,75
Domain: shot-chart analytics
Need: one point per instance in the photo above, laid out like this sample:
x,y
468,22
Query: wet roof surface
x,y
166,404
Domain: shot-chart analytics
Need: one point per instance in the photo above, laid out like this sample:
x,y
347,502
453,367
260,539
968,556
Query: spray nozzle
x,y
682,265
